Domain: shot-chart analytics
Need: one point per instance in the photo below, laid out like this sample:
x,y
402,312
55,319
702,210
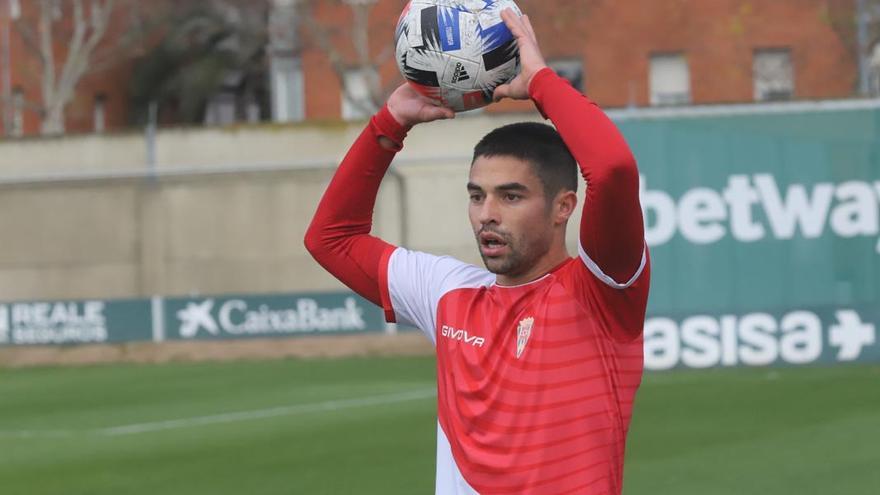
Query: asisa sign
x,y
796,337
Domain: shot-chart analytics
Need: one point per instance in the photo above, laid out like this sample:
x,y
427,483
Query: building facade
x,y
669,52
622,53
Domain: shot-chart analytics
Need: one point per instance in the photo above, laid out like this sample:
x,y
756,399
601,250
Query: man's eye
x,y
512,197
476,198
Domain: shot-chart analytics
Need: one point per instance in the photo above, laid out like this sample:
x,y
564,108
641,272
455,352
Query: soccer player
x,y
540,354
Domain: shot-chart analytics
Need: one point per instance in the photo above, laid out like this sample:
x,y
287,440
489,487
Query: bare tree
x,y
79,26
857,23
364,64
868,33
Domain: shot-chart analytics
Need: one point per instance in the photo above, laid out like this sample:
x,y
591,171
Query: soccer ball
x,y
456,52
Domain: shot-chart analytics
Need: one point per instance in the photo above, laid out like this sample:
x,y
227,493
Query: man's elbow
x,y
313,242
623,171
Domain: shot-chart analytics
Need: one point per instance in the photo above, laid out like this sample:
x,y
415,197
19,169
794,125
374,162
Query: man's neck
x,y
544,266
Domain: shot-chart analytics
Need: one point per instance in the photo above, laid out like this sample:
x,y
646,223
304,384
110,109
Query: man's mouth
x,y
492,244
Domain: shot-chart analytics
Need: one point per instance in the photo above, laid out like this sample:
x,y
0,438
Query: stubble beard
x,y
503,265
520,258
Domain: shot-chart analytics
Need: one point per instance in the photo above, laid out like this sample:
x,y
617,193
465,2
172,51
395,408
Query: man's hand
x,y
530,58
409,108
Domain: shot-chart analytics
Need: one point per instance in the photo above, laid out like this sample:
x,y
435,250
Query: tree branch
x,y
75,51
29,37
88,30
360,30
47,54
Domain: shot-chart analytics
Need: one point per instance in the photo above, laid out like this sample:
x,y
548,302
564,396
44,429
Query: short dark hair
x,y
538,144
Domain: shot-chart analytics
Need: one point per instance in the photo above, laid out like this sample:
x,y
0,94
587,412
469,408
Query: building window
x,y
14,9
773,74
98,113
220,109
356,101
874,71
17,129
570,69
287,89
670,79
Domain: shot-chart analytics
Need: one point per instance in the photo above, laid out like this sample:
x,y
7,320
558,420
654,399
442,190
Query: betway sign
x,y
754,207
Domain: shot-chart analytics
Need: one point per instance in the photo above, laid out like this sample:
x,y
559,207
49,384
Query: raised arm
x,y
338,237
612,229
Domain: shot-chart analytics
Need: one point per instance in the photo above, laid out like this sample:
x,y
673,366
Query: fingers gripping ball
x,y
456,52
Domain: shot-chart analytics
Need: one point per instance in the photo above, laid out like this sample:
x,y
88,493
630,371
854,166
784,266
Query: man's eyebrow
x,y
512,186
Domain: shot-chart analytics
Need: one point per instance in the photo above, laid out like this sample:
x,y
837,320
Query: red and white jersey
x,y
535,382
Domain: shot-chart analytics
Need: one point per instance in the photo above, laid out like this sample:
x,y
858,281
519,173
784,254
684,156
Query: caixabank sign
x,y
269,316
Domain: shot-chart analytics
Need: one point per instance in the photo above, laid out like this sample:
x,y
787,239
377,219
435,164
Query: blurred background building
x,y
77,66
180,148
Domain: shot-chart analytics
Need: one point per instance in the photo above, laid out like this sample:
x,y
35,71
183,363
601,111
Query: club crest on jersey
x,y
523,332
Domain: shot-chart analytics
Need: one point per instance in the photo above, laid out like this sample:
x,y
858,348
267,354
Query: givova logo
x,y
751,208
235,317
756,339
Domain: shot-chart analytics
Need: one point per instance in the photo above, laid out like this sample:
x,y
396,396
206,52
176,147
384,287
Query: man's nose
x,y
489,211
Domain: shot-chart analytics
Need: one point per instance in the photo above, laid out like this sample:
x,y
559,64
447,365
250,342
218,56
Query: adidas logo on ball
x,y
460,73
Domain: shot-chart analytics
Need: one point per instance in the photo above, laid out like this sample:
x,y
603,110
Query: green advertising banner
x,y
764,207
75,322
764,229
277,315
792,336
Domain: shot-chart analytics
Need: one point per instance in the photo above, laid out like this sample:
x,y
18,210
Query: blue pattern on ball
x,y
450,29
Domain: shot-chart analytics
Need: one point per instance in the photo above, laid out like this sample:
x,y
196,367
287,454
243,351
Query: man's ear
x,y
564,205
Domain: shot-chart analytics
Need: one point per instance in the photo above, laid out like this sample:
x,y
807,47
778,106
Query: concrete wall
x,y
225,211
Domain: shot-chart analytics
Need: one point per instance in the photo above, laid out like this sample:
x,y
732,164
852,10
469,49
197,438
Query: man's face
x,y
509,214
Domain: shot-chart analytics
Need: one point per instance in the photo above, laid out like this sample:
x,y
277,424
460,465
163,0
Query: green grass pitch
x,y
367,426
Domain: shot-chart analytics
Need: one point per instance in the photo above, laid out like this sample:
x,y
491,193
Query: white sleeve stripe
x,y
418,281
594,268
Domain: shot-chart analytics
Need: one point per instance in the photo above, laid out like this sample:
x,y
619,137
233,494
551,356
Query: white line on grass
x,y
274,412
332,405
37,433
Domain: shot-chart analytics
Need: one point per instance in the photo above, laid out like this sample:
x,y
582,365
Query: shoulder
x,y
417,282
445,271
601,276
620,307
